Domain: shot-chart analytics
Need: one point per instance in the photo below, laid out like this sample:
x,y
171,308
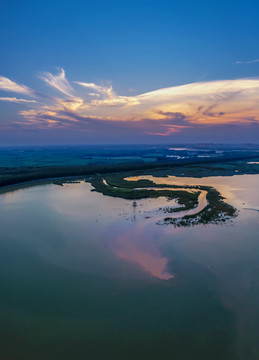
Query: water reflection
x,y
137,246
76,231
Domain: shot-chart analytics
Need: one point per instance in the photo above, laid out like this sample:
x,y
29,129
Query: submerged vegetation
x,y
215,210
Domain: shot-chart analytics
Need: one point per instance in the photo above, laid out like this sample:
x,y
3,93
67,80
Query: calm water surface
x,y
87,276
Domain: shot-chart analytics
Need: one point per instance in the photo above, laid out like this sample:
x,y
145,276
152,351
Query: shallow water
x,y
87,276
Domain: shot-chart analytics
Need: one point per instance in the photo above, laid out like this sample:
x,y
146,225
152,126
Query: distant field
x,y
19,164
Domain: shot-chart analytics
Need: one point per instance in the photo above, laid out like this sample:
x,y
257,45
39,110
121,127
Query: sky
x,y
93,72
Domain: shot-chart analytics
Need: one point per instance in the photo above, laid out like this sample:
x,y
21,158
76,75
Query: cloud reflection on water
x,y
134,246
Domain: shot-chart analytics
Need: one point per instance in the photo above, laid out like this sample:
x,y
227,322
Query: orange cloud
x,y
174,108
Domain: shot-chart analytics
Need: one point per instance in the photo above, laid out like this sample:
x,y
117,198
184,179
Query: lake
x,y
88,276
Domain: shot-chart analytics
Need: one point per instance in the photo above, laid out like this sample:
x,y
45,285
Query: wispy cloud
x,y
247,62
107,96
107,91
58,82
162,112
170,129
11,86
15,100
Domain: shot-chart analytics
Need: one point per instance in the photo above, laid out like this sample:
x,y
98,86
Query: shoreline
x,y
22,177
30,183
214,211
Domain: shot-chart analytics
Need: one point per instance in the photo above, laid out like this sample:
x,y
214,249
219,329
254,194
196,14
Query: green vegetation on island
x,y
216,210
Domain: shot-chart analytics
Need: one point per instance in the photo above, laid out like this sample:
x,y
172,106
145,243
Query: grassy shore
x,y
216,211
119,187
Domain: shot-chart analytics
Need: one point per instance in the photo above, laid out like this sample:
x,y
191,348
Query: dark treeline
x,y
13,176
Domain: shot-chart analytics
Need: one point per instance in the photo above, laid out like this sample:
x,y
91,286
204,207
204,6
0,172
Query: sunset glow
x,y
163,112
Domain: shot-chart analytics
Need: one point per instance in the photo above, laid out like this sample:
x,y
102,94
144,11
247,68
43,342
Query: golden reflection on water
x,y
226,185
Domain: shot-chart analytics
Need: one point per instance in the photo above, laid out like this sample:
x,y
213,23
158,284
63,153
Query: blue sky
x,y
134,46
